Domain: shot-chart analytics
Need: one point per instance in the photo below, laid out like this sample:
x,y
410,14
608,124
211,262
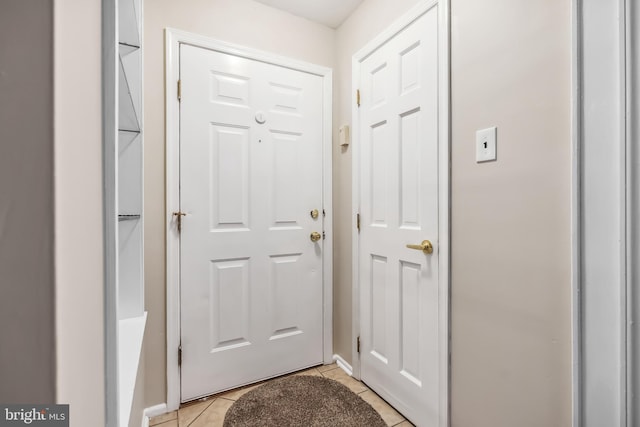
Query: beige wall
x,y
27,332
78,209
511,258
238,21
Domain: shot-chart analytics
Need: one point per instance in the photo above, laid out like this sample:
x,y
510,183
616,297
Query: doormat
x,y
302,400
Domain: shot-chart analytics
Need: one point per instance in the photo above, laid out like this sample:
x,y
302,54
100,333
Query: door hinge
x,y
179,90
358,221
358,344
179,216
180,356
358,97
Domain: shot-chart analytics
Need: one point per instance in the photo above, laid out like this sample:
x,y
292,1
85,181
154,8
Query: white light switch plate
x,y
486,145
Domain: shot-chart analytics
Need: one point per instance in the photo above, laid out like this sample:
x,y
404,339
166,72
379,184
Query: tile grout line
x,y
202,412
165,421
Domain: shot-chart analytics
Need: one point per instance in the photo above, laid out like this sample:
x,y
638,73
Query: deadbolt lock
x,y
314,214
315,236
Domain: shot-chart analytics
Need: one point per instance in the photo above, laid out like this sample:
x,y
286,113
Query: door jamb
x,y
444,178
619,374
576,218
173,39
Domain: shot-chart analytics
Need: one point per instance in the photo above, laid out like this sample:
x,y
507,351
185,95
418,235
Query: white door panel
x,y
250,173
399,206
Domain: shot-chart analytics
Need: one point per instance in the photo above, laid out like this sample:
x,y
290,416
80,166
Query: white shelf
x,y
130,289
129,99
129,163
130,335
128,22
124,205
125,49
129,173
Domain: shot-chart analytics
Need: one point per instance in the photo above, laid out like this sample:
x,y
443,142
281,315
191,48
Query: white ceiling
x,y
327,12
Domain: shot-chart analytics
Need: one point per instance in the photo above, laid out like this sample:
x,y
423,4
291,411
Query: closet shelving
x,y
126,318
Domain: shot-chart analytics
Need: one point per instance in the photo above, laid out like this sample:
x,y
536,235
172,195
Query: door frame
x,y
605,97
444,178
173,39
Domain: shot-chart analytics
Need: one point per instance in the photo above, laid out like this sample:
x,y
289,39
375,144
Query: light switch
x,y
486,145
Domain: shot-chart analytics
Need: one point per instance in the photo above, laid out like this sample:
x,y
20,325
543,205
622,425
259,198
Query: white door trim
x,y
605,204
443,185
173,39
576,219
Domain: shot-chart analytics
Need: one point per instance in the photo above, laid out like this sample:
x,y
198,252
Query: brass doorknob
x,y
425,247
315,236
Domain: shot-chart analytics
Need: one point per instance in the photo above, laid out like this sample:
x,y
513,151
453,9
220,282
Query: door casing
x,y
443,185
173,39
605,205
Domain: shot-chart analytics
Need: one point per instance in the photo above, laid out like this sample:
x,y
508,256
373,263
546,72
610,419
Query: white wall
x,y
243,22
78,210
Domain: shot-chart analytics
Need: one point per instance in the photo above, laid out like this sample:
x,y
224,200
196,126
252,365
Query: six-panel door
x,y
250,174
399,207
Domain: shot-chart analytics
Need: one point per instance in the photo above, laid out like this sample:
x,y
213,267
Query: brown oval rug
x,y
302,400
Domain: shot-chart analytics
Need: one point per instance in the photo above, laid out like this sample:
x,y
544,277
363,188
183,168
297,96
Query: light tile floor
x,y
210,411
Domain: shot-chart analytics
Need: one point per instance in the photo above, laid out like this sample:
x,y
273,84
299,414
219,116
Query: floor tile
x,y
213,416
171,423
173,415
388,414
324,368
190,412
237,393
342,377
405,423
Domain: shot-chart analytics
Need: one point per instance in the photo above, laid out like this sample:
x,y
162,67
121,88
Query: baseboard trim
x,y
342,364
153,411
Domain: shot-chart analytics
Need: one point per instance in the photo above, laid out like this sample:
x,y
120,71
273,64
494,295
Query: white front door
x,y
399,288
250,177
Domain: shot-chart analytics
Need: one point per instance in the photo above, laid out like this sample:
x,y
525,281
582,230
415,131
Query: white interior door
x,y
250,176
399,289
